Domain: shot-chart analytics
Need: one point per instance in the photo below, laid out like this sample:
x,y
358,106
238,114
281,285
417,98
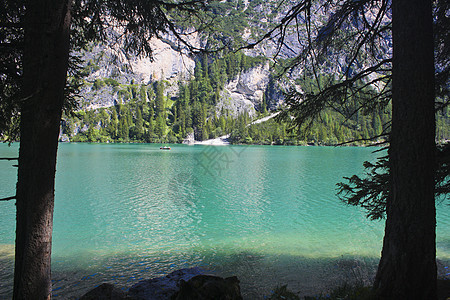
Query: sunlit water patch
x,y
269,215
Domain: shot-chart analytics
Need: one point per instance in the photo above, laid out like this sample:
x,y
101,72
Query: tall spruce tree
x,y
45,64
407,269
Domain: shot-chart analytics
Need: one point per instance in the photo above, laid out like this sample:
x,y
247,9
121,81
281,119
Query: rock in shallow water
x,y
184,284
162,288
207,287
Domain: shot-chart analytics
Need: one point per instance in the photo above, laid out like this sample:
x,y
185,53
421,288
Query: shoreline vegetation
x,y
247,132
103,125
224,141
122,124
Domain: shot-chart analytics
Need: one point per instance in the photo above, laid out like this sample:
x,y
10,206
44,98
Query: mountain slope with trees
x,y
196,96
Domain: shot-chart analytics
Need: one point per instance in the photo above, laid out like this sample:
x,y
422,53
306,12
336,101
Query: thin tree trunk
x,y
45,63
407,269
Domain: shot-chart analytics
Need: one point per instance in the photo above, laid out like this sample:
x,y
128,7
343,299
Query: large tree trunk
x,y
45,62
407,269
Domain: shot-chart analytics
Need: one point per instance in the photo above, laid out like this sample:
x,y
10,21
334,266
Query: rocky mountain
x,y
243,21
167,64
177,93
244,92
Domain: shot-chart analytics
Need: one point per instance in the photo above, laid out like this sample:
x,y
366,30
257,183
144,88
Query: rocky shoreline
x,y
190,283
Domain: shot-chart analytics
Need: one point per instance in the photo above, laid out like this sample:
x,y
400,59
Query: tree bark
x,y
45,63
407,269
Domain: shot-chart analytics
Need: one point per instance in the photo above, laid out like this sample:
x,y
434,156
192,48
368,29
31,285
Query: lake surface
x,y
268,214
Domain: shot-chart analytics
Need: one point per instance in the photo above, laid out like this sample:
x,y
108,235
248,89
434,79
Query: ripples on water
x,y
266,214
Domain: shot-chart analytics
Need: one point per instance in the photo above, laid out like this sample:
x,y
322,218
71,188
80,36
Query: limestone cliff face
x,y
168,62
246,91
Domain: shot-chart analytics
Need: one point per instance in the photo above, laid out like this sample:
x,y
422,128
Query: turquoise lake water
x,y
268,214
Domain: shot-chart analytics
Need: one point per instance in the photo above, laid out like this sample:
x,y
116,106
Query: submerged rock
x,y
162,288
184,284
207,287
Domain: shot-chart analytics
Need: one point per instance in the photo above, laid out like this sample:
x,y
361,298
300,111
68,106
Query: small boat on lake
x,y
165,148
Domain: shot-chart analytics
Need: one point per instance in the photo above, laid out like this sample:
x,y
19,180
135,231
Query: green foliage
x,y
98,84
330,129
160,100
111,82
226,22
371,191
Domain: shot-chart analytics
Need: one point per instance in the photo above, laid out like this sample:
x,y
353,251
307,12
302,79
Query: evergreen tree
x,y
150,132
151,112
377,125
139,125
123,129
160,126
160,106
264,105
150,94
113,125
143,93
198,70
